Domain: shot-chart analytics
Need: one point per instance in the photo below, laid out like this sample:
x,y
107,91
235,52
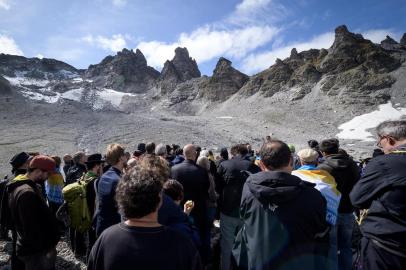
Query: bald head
x,y
189,151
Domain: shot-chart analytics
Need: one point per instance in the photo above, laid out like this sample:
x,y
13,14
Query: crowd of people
x,y
157,207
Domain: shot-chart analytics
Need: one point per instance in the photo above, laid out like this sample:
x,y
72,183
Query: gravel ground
x,y
65,259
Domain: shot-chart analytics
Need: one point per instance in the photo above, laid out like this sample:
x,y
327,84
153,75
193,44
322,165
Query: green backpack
x,y
75,196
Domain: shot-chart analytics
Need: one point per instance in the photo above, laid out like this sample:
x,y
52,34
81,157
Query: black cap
x,y
18,160
95,158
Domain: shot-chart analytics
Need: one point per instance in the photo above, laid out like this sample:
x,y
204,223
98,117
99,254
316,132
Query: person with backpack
x,y
107,213
232,177
33,221
382,190
80,197
19,164
284,218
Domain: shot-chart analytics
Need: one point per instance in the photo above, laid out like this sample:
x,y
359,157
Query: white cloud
x,y
206,43
248,6
119,3
114,44
40,56
9,46
261,61
5,4
256,12
377,35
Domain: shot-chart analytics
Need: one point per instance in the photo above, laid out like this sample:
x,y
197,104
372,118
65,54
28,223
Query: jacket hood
x,y
339,161
275,187
19,180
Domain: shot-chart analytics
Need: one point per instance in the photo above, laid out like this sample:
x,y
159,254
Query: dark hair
x,y
275,154
179,152
150,148
57,161
242,149
168,149
234,150
91,165
173,189
313,144
329,146
138,192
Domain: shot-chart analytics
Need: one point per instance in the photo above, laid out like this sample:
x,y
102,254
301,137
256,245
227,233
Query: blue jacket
x,y
107,211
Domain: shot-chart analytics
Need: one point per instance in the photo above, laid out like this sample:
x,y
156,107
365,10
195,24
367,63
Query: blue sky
x,y
251,33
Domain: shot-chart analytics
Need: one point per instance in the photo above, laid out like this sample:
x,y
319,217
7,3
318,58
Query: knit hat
x,y
95,158
42,162
308,155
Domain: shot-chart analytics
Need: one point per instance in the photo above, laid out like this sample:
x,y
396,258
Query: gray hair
x,y
204,153
203,162
395,129
78,156
160,150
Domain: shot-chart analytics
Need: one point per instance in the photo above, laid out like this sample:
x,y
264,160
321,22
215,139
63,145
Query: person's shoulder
x,y
180,238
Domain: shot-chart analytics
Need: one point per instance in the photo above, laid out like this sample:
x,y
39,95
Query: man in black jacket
x,y
232,175
382,190
36,226
346,173
284,218
77,169
195,182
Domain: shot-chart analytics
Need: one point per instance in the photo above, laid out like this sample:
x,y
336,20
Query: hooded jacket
x,y
382,190
346,173
283,218
36,226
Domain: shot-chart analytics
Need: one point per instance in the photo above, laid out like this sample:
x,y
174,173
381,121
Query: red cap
x,y
43,163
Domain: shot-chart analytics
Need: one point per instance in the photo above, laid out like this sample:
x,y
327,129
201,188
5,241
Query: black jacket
x,y
283,219
195,181
382,190
231,179
346,173
36,226
74,173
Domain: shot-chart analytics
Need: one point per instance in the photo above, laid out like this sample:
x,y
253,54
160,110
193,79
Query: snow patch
x,y
224,117
75,94
25,81
356,128
112,96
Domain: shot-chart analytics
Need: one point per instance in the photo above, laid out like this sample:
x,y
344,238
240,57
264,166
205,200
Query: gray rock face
x,y
403,40
225,82
5,87
127,72
390,44
13,65
180,69
353,69
185,65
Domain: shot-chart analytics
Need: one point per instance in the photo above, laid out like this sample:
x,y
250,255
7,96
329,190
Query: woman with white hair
x,y
204,162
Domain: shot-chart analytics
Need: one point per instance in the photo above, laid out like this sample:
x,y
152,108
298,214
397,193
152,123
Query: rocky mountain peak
x,y
180,69
223,66
388,40
127,71
185,65
225,81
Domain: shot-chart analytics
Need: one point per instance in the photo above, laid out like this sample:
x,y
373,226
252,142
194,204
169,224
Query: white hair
x,y
160,150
